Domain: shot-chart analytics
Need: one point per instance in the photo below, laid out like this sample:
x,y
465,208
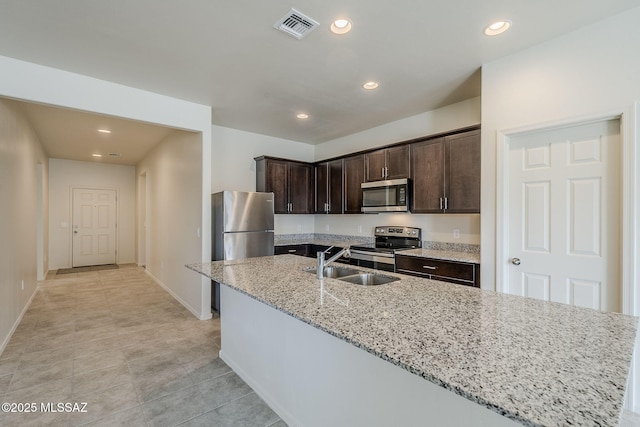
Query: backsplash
x,y
309,237
454,247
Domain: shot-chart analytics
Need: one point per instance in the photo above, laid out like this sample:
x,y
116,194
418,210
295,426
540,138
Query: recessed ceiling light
x,y
341,26
302,116
371,85
497,27
104,131
96,155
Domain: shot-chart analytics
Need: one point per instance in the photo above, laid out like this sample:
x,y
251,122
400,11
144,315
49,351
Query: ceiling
x,y
226,54
73,135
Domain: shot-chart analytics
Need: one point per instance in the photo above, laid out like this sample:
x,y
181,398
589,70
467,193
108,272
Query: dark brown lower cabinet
x,y
462,273
301,250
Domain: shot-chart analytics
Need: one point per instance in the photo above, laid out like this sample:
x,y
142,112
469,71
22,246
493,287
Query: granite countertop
x,y
536,362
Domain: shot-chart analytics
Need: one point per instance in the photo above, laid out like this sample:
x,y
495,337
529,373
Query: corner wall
x,y
20,156
173,179
592,71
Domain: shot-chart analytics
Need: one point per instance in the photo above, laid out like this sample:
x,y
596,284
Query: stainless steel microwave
x,y
385,196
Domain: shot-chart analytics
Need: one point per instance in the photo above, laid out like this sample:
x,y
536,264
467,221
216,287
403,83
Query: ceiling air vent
x,y
296,24
115,155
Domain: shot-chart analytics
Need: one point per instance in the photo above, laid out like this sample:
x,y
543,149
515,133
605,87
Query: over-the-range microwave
x,y
385,196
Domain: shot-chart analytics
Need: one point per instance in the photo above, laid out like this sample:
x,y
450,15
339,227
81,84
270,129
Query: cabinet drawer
x,y
459,271
301,250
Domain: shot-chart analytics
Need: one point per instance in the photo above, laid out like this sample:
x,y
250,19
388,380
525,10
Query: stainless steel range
x,y
388,239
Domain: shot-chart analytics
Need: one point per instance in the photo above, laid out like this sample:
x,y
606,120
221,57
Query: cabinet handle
x,y
446,203
292,250
382,172
441,204
429,267
328,208
386,172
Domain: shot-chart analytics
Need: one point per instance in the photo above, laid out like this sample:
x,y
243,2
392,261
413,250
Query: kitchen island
x,y
326,351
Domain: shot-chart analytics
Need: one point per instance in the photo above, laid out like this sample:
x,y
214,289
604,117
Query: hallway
x,y
120,343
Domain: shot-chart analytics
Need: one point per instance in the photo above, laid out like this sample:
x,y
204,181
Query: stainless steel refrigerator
x,y
242,227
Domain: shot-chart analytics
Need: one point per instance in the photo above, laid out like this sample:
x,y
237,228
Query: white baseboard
x,y
204,316
5,342
284,415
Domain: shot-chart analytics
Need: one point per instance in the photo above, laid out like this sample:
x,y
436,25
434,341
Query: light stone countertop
x,y
536,362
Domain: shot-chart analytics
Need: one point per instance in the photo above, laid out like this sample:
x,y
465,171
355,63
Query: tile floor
x,y
119,342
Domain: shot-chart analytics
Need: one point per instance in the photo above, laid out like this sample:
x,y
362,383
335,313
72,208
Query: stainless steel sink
x,y
369,279
335,272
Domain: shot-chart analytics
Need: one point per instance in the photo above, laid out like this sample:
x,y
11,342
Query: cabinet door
x,y
397,162
335,187
375,165
353,177
322,187
462,182
277,181
301,250
427,176
301,179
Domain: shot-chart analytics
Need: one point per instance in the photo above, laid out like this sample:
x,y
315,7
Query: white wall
x,y
437,228
20,154
454,116
593,71
36,83
67,174
173,177
233,167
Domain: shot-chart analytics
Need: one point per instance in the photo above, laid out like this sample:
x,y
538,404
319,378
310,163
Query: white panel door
x,y
564,215
94,227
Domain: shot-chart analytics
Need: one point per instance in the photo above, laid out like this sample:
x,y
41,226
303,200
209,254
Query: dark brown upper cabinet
x,y
329,187
387,163
353,177
445,174
291,183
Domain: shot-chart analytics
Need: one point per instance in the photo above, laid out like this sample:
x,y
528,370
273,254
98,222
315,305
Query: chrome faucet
x,y
321,263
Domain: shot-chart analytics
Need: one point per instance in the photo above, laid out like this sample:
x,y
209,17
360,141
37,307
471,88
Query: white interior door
x,y
564,215
94,227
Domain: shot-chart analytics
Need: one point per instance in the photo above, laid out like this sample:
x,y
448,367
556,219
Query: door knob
x,y
515,261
